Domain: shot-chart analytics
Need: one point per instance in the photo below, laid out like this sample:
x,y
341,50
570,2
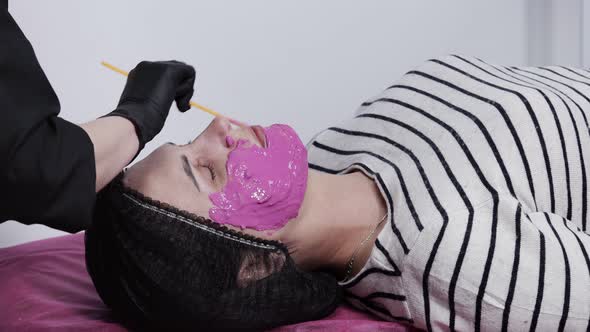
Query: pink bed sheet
x,y
44,287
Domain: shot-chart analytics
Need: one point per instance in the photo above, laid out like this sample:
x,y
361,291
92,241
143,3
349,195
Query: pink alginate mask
x,y
266,186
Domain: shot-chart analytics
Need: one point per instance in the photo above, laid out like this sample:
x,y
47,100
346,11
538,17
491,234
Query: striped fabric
x,y
484,170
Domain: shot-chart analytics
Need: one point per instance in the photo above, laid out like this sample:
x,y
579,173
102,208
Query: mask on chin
x,y
266,186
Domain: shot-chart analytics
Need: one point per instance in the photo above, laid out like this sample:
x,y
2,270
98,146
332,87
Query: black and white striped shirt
x,y
484,170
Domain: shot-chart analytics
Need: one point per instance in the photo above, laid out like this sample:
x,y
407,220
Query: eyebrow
x,y
188,171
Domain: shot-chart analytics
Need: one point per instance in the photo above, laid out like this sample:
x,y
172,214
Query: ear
x,y
257,267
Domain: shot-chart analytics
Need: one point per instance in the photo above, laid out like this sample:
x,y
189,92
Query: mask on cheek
x,y
265,186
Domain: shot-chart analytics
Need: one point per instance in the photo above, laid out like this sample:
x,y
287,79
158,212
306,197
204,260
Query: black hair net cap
x,y
160,268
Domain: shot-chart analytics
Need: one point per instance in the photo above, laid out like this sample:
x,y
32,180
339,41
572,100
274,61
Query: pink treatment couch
x,y
44,286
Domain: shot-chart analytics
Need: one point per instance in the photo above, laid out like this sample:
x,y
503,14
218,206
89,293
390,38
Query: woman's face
x,y
184,175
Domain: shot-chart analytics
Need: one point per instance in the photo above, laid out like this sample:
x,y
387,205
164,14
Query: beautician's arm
x,y
47,169
50,168
115,143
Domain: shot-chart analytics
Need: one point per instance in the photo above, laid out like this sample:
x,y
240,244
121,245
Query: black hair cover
x,y
160,268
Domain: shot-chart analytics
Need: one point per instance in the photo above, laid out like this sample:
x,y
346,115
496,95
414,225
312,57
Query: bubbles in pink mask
x,y
266,186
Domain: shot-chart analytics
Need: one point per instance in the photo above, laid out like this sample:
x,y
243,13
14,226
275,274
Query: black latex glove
x,y
148,95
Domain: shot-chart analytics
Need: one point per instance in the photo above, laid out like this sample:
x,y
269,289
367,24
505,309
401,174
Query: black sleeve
x,y
47,167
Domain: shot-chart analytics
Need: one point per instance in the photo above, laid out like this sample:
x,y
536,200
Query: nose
x,y
229,135
222,128
222,125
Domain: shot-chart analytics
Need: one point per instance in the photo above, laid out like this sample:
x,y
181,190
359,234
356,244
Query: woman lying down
x,y
457,199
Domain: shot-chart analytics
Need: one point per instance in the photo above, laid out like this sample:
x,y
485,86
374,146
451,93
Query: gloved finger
x,y
184,93
142,66
187,73
174,62
185,90
185,85
183,101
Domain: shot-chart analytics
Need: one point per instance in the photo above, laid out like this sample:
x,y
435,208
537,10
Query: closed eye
x,y
188,171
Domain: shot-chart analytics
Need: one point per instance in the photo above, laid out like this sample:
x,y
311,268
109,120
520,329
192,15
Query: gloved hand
x,y
148,95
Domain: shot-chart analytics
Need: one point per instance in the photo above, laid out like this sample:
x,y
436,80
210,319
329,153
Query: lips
x,y
259,133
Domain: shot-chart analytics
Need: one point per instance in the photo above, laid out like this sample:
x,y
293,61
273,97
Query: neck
x,y
338,212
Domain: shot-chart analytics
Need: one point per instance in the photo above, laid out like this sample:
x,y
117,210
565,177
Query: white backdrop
x,y
307,63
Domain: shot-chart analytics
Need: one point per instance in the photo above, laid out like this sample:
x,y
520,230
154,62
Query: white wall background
x,y
556,32
307,63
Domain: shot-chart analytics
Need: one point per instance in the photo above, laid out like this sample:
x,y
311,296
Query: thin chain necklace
x,y
353,257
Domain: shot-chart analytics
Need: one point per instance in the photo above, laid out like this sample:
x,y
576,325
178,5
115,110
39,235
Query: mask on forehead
x,y
266,186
